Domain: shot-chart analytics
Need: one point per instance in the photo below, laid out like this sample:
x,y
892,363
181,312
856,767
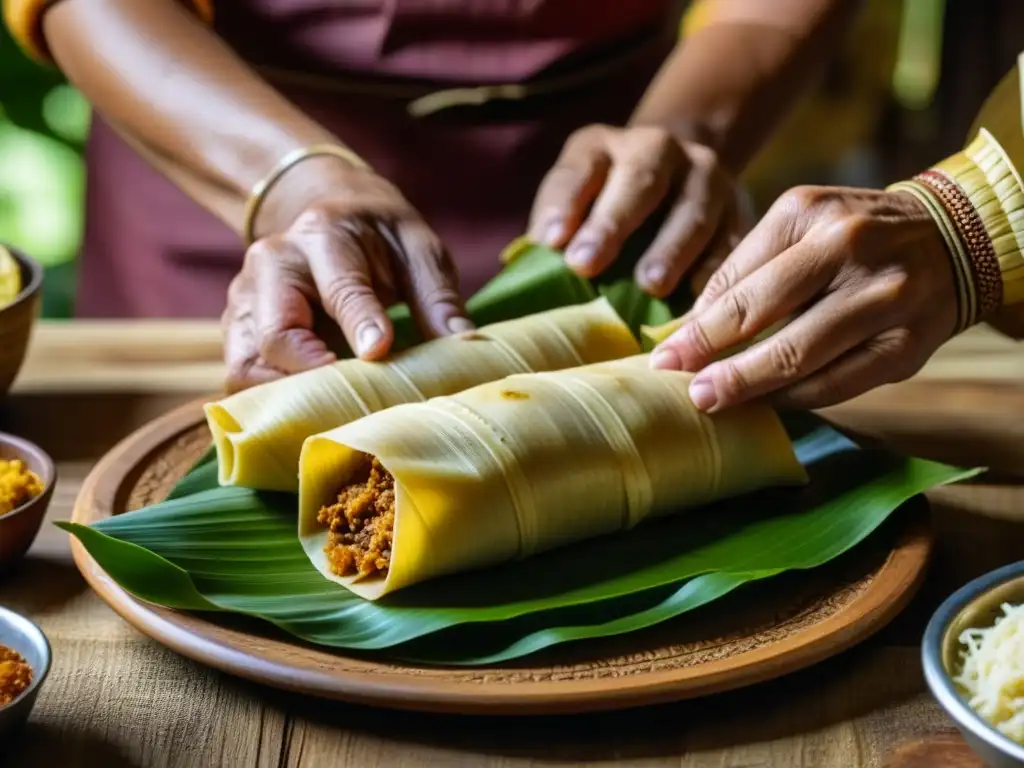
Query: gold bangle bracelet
x,y
959,260
263,186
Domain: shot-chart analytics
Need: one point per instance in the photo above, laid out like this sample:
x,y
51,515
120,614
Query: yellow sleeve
x,y
24,20
977,197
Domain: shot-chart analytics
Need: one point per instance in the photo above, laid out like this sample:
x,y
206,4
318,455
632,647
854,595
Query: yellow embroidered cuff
x,y
990,182
24,19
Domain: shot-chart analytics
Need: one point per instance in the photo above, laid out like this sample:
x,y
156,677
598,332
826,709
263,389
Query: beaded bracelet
x,y
983,262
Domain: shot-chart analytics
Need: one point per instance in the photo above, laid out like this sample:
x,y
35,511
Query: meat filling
x,y
15,675
361,522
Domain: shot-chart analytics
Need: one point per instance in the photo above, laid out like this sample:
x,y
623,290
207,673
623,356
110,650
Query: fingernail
x,y
367,337
666,359
460,325
702,393
554,233
580,255
655,275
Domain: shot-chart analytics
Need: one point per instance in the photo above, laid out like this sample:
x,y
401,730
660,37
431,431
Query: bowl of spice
x,y
21,280
24,664
973,657
27,477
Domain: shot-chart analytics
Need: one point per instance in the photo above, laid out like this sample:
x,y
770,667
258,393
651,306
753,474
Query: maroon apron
x,y
149,251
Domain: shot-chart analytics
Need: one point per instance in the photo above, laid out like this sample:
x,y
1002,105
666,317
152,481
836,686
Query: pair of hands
x,y
862,274
359,247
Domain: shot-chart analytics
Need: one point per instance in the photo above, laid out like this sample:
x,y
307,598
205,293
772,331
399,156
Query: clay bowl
x,y
19,527
17,319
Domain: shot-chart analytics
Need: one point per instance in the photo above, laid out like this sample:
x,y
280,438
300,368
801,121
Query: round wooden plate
x,y
794,620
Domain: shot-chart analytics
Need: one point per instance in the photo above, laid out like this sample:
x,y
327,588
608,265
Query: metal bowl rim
x,y
28,626
940,682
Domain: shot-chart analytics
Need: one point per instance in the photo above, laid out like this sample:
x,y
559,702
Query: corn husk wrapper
x,y
533,462
258,433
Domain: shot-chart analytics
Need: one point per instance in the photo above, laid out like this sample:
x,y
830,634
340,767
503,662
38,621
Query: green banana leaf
x,y
233,549
538,280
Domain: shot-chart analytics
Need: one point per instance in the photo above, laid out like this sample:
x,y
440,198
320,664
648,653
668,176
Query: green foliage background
x,y
44,123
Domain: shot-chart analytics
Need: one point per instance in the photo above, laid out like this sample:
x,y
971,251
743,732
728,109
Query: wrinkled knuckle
x,y
439,294
798,200
850,232
586,137
346,291
702,221
708,158
565,178
721,281
696,338
431,263
316,218
786,359
902,343
438,258
736,306
271,341
606,228
896,354
729,381
898,288
645,180
264,251
828,388
655,139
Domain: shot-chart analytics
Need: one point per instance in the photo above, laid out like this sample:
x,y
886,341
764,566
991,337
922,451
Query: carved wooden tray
x,y
760,632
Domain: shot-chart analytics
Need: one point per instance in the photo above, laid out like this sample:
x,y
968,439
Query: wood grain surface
x,y
772,629
116,698
184,356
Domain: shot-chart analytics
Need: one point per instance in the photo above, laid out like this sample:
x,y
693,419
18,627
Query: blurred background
x,y
900,95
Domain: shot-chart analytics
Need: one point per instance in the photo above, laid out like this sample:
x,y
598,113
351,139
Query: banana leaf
x,y
536,279
236,550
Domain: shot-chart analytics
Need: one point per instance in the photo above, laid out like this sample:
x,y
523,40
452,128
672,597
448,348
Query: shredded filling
x,y
15,675
361,522
993,671
18,485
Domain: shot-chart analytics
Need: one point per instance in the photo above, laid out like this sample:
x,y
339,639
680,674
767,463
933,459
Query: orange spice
x,y
18,485
15,675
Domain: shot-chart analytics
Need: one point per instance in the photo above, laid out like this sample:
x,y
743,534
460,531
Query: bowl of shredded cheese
x,y
27,478
973,657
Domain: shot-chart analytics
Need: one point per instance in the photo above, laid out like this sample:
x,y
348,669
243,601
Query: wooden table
x,y
116,699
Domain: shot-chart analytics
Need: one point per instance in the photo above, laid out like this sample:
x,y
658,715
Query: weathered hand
x,y
608,180
349,255
863,275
